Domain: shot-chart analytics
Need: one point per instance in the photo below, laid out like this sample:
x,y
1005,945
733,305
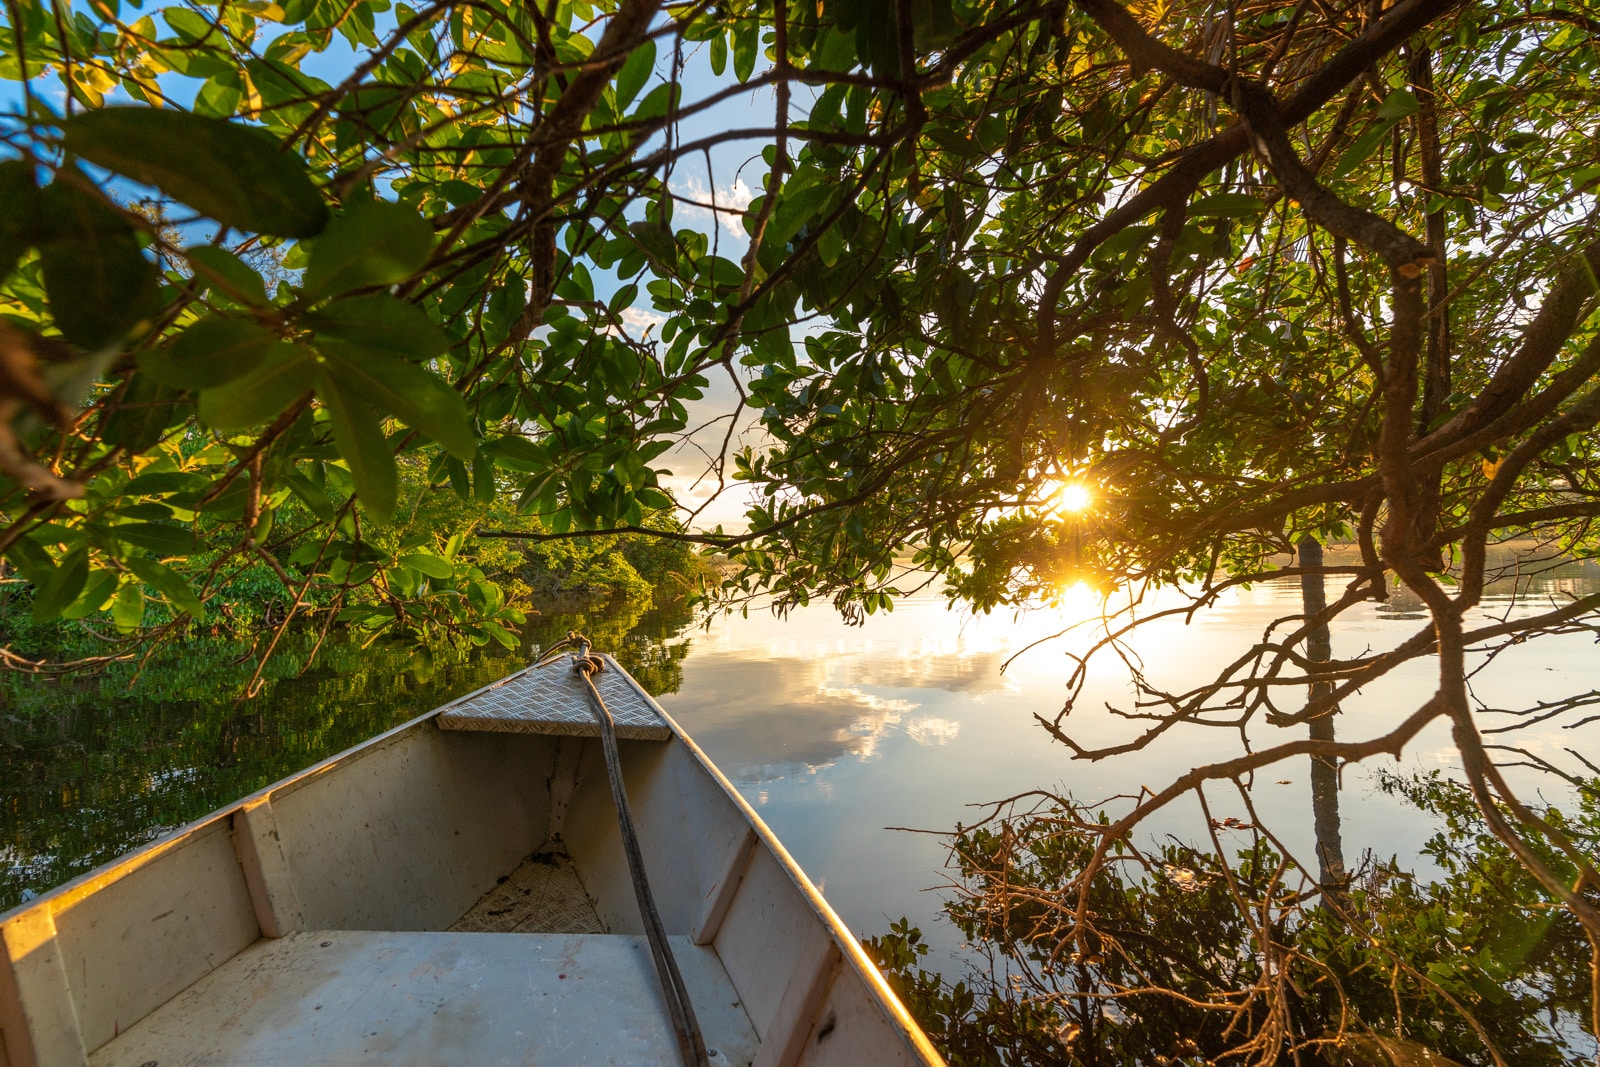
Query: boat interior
x,y
452,892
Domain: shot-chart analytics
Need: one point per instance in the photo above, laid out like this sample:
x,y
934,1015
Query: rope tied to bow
x,y
691,1045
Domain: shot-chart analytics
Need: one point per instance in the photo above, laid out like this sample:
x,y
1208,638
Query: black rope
x,y
691,1044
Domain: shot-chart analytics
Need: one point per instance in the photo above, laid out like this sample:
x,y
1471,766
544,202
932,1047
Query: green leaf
x,y
358,433
226,274
212,352
421,664
168,583
381,323
219,97
19,212
506,304
127,609
518,453
284,376
635,73
158,483
238,175
623,298
375,243
101,585
1400,104
160,538
62,586
746,41
99,284
793,209
459,479
483,487
311,496
1361,148
505,637
657,240
428,564
30,558
934,25
190,25
830,245
486,597
420,398
142,416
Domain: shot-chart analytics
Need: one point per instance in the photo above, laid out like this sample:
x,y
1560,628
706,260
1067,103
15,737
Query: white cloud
x,y
638,320
932,731
728,205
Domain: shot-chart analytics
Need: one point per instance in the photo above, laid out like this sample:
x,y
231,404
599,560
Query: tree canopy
x,y
1242,273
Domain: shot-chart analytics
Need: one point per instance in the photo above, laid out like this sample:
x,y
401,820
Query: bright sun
x,y
1071,497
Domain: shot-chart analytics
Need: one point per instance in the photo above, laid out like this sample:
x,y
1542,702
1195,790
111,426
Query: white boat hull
x,y
311,923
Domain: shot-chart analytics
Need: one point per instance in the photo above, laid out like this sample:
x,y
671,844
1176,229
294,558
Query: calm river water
x,y
837,735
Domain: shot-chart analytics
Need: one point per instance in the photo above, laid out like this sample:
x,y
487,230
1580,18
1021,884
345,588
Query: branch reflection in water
x,y
839,707
835,733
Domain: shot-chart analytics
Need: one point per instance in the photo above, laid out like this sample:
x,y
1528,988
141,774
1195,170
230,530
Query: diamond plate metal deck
x,y
553,700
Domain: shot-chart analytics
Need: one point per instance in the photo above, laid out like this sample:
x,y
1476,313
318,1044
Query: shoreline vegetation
x,y
103,761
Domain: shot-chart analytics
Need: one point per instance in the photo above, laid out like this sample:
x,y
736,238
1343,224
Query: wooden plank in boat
x,y
374,997
553,700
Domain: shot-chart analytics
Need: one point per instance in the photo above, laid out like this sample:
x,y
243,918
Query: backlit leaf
x,y
99,283
212,352
635,72
258,397
226,275
374,243
358,433
237,175
168,583
381,323
62,586
99,589
420,398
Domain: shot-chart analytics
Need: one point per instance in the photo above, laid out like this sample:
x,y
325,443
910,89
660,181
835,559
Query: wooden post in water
x,y
1324,770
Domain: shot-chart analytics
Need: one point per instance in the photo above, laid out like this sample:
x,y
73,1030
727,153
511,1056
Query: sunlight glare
x,y
1070,498
1077,601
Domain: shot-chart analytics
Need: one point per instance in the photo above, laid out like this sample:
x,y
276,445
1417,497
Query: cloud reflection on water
x,y
777,717
837,733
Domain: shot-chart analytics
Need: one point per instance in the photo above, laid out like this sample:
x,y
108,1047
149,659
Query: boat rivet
x,y
149,1063
325,944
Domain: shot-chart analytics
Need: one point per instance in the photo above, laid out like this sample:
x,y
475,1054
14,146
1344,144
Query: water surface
x,y
847,740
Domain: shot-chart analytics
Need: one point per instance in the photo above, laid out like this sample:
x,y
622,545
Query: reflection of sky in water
x,y
836,733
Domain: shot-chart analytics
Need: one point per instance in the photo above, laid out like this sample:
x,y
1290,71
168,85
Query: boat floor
x,y
543,895
351,997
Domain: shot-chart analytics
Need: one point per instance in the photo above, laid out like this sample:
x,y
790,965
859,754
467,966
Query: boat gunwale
x,y
908,1028
120,867
114,870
